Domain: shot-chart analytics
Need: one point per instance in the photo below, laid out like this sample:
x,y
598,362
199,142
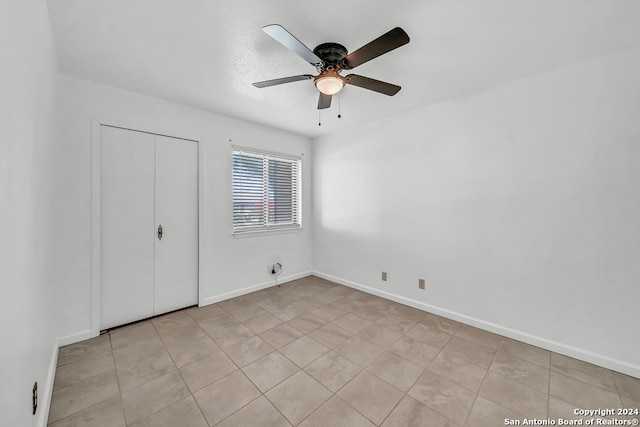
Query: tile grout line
x,y
115,368
174,364
191,393
475,398
441,350
264,393
549,387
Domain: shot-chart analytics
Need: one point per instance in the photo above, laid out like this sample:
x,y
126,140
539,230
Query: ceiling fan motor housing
x,y
332,54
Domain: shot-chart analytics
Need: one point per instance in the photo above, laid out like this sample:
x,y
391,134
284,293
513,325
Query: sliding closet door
x,y
127,229
176,210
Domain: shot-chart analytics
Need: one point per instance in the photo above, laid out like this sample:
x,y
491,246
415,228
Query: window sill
x,y
266,231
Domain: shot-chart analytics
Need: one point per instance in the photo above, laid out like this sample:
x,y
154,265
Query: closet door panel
x,y
127,235
176,209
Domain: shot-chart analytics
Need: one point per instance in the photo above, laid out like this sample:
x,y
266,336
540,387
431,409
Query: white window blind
x,y
266,191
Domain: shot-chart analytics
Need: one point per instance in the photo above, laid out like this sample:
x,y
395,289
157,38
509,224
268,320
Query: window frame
x,y
267,226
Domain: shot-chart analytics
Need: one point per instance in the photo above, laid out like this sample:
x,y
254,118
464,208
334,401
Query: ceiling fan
x,y
331,58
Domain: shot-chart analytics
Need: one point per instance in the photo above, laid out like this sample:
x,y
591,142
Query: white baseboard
x,y
253,288
73,338
555,346
87,333
44,397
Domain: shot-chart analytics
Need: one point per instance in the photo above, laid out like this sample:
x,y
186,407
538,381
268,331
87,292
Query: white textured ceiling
x,y
206,53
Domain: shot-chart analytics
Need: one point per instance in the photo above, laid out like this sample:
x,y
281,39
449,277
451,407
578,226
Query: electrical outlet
x,y
384,276
34,397
421,283
275,268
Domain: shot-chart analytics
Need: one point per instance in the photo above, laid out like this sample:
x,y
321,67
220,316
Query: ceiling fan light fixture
x,y
330,58
329,82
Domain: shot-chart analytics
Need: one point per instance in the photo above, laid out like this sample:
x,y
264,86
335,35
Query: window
x,y
266,191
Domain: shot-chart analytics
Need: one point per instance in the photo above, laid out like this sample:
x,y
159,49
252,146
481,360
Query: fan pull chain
x,y
319,119
339,98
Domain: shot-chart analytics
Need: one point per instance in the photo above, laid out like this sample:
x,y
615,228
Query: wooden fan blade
x,y
283,80
372,84
284,37
383,44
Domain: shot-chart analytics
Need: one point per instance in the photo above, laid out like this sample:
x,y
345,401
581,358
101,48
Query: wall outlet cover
x,y
275,268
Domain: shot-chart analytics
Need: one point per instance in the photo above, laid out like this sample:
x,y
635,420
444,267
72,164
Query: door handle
x,y
160,232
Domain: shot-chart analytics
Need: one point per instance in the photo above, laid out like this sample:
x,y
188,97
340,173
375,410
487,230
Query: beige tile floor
x,y
314,353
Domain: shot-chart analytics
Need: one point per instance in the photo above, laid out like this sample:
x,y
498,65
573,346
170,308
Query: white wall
x,y
27,316
519,206
228,265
